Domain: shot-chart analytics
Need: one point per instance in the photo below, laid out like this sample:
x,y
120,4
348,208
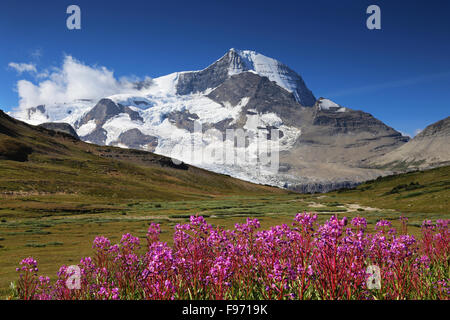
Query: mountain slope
x,y
322,146
430,148
334,147
420,192
36,160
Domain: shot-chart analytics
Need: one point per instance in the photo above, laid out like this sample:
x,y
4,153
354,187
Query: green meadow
x,y
58,229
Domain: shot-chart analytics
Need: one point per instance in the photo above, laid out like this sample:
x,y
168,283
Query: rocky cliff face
x,y
263,96
135,139
60,127
104,110
322,187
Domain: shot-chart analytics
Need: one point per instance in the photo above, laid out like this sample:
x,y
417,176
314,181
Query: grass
x,y
53,205
62,238
398,192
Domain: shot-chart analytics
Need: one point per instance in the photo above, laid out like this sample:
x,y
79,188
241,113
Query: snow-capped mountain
x,y
238,61
321,144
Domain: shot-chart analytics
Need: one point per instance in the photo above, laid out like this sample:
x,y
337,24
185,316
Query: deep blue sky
x,y
400,74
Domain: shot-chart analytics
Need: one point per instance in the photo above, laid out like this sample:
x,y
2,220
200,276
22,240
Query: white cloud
x,y
74,80
43,74
22,67
405,134
417,131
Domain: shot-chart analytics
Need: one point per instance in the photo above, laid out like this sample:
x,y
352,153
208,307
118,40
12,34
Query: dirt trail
x,y
350,207
354,207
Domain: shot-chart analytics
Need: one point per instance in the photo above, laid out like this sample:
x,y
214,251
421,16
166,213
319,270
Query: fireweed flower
x,y
221,271
359,222
428,224
382,224
129,243
28,281
332,229
29,265
105,293
159,269
423,262
198,225
442,224
306,221
101,243
114,294
114,249
302,261
43,290
404,224
154,230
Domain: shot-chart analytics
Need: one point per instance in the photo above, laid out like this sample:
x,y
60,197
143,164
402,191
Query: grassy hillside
x,y
421,191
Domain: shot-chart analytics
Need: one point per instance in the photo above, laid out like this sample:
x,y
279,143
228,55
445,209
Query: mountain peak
x,y
237,61
285,77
